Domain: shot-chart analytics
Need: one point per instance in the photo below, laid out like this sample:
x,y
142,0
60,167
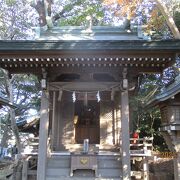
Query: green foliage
x,y
149,126
177,19
26,92
76,16
10,2
16,19
18,16
148,121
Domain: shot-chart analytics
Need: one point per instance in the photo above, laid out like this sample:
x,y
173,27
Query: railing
x,y
140,150
30,156
141,146
31,146
29,166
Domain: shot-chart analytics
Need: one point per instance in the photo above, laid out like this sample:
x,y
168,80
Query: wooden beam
x,y
125,135
43,137
84,46
55,71
145,169
73,56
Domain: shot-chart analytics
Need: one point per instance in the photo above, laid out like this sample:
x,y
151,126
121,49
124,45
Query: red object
x,y
135,135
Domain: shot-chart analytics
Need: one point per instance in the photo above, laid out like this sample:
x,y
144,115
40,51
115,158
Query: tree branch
x,y
40,8
49,4
67,8
170,22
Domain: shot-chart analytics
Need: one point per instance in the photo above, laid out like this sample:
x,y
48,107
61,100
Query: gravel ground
x,y
161,169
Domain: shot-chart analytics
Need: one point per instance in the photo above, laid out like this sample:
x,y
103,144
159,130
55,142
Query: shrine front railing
x,y
140,151
141,146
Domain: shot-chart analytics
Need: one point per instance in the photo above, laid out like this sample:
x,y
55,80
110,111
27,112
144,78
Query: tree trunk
x,y
43,8
5,136
12,117
40,8
15,129
48,6
170,22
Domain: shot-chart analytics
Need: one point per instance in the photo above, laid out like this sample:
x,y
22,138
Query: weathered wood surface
x,y
125,135
6,170
25,170
43,137
39,46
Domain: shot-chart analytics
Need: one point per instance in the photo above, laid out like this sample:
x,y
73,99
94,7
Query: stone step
x,y
83,173
58,172
106,173
81,178
60,156
109,166
59,162
109,173
102,163
109,162
99,158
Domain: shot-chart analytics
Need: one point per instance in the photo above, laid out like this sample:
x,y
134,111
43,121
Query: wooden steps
x,y
80,178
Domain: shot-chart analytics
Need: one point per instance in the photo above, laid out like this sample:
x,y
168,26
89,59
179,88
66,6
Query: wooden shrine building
x,y
87,79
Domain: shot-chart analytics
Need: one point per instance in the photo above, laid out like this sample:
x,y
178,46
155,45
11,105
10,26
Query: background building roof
x,y
167,93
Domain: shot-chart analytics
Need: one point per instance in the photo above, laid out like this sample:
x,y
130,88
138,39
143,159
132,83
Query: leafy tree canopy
x,y
26,92
17,17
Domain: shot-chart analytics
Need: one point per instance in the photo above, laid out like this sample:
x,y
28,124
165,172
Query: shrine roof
x,y
79,33
97,38
167,93
99,47
33,45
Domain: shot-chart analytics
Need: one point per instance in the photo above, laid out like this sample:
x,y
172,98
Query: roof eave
x,y
168,93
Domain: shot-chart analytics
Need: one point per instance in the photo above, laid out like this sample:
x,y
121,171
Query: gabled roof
x,y
62,49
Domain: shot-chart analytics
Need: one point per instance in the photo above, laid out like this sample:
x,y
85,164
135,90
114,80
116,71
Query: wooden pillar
x,y
53,121
113,122
25,170
43,137
125,135
145,169
177,166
